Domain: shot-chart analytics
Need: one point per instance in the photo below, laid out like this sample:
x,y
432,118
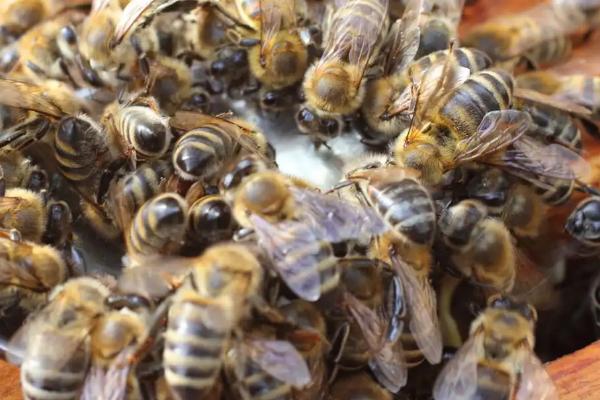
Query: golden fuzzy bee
x,y
335,85
358,385
281,57
54,371
497,361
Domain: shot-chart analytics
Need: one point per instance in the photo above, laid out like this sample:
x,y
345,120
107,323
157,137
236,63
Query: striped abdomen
x,y
256,384
473,59
159,226
194,344
553,124
549,51
144,130
202,152
406,206
211,219
45,374
78,144
465,107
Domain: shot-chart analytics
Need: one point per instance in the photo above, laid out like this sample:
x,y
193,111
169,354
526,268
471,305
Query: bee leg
x,y
338,344
143,57
318,142
156,322
87,72
450,332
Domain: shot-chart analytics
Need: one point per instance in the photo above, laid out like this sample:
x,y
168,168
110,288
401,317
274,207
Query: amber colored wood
x,y
577,375
10,389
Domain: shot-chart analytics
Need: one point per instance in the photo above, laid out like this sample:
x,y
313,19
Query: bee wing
x,y
387,362
354,30
554,102
156,278
458,379
423,324
336,220
137,13
99,5
403,38
551,160
535,383
14,274
275,15
107,384
280,359
28,96
282,239
497,130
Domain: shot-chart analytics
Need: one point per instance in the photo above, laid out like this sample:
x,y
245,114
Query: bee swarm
x,y
299,199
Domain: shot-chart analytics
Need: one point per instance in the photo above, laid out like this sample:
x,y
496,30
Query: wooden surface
x,y
577,375
9,388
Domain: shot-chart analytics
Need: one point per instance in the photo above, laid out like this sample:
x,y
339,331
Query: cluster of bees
x,y
239,281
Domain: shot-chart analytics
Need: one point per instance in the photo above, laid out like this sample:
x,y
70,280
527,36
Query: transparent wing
x,y
354,31
387,361
336,220
135,14
281,360
497,130
535,382
107,384
99,5
458,379
403,39
275,15
156,278
551,160
293,248
554,102
28,96
422,309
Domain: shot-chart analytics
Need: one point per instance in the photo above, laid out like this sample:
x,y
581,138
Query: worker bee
x,y
309,336
389,103
582,226
30,271
25,211
158,227
367,313
518,205
358,385
210,144
252,372
335,84
539,35
497,361
438,24
295,227
112,65
281,57
66,321
483,247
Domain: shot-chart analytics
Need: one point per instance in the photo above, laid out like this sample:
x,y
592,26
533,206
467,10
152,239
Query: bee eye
x,y
68,34
330,126
304,115
270,98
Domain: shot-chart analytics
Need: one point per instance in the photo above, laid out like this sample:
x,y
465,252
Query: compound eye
x,y
270,98
306,116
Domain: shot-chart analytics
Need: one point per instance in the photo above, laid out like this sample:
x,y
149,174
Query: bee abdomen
x,y
145,131
201,152
550,51
407,207
160,221
193,351
317,253
211,219
261,386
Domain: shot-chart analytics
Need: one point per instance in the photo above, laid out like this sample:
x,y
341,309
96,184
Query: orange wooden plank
x,y
9,388
577,375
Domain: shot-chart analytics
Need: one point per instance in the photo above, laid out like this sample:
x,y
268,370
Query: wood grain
x,y
577,375
10,389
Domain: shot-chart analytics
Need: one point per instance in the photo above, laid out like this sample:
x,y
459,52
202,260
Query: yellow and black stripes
x,y
144,130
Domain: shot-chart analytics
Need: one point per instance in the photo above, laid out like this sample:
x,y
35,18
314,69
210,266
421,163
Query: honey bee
x,y
497,361
308,336
358,385
295,227
249,364
25,211
30,271
539,35
112,65
281,57
335,84
520,208
483,246
66,321
438,24
385,110
211,143
158,227
582,225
